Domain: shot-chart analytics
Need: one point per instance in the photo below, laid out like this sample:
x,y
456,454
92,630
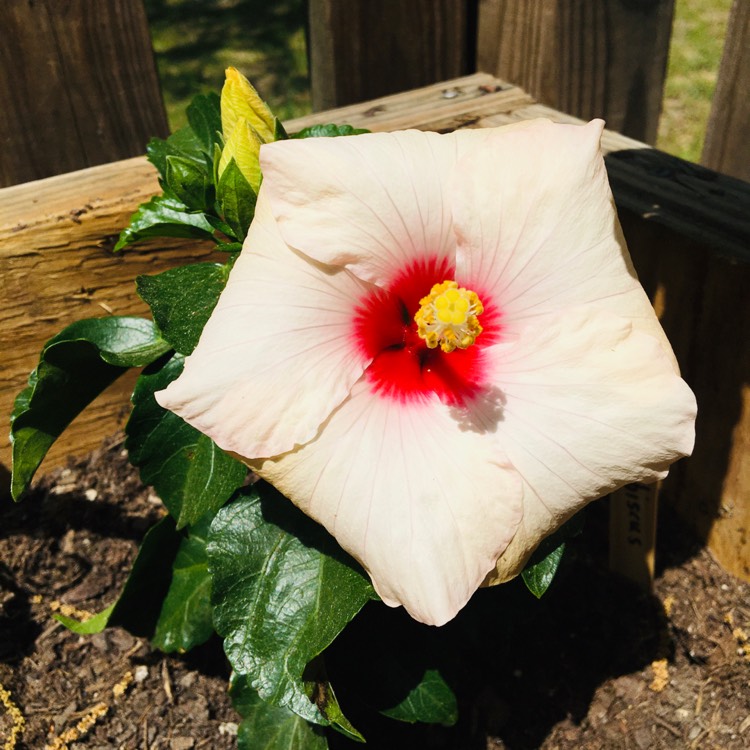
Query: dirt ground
x,y
601,667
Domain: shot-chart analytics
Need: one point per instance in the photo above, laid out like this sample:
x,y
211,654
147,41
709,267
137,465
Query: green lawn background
x,y
195,40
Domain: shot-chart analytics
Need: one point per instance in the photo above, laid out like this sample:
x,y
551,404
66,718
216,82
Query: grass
x,y
195,40
697,43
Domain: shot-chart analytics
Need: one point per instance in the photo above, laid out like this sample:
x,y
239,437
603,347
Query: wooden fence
x,y
688,227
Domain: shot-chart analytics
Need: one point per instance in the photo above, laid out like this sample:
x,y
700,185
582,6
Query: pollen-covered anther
x,y
448,317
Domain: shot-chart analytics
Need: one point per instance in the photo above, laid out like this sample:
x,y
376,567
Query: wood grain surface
x,y
727,146
361,49
78,86
56,239
591,58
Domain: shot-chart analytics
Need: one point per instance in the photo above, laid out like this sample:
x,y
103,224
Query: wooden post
x,y
632,532
78,86
727,146
715,496
589,58
360,49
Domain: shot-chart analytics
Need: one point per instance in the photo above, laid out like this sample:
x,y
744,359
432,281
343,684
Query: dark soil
x,y
601,666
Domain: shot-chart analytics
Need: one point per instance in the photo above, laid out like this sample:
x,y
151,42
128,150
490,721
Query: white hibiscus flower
x,y
437,347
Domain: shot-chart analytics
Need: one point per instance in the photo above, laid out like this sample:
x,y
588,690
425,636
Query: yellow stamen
x,y
448,317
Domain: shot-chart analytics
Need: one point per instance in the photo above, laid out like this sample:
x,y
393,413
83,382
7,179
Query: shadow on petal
x,y
483,413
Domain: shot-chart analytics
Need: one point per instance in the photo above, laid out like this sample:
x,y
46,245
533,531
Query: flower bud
x,y
243,145
239,100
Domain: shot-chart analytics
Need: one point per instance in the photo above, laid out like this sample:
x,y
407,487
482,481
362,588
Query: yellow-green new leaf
x,y
243,145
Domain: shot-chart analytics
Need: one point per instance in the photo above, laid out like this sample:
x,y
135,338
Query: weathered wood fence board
x,y
56,237
689,259
361,49
727,146
715,493
589,58
78,86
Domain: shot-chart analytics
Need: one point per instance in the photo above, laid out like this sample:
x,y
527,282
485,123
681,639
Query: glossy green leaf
x,y
121,341
185,617
269,727
183,143
165,216
139,604
190,473
538,576
541,569
221,226
328,704
236,200
182,299
430,701
23,400
74,368
190,182
328,131
204,116
282,591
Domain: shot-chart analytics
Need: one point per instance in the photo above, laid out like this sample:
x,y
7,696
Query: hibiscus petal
x,y
425,502
590,405
537,228
278,353
374,203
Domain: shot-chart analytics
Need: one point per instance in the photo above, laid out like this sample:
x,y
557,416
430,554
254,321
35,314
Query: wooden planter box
x,y
688,229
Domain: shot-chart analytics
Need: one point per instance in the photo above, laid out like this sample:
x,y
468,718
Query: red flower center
x,y
402,366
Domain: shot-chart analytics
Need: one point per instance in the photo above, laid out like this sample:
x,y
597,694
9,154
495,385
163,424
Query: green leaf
x,y
329,706
183,143
204,116
282,591
94,624
190,182
225,229
23,400
121,341
430,701
182,299
74,368
157,151
279,132
165,216
539,576
229,247
328,131
190,473
269,727
544,563
236,199
185,617
402,667
138,606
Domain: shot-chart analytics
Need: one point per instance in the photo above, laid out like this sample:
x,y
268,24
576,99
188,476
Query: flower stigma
x,y
448,316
